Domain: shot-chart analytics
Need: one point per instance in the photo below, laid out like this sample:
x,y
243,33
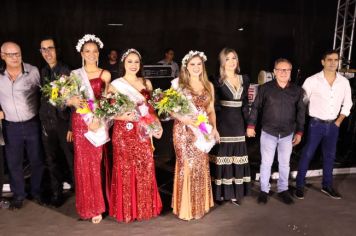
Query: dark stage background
x,y
300,30
297,29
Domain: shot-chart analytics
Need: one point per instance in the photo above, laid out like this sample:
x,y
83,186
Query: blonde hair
x,y
184,78
222,58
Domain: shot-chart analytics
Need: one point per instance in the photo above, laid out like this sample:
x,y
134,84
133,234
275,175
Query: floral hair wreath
x,y
191,54
88,38
128,52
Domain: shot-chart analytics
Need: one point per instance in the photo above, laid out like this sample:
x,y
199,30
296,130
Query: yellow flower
x,y
171,92
54,94
83,110
163,102
201,119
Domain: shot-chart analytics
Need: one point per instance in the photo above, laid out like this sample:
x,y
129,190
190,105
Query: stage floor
x,y
316,215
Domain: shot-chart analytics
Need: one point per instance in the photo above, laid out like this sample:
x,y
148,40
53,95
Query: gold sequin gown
x,y
192,194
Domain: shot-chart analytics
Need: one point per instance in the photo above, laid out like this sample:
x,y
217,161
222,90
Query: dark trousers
x,y
1,170
326,134
58,154
23,138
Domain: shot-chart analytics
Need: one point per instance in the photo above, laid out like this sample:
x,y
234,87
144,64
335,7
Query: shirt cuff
x,y
300,133
250,126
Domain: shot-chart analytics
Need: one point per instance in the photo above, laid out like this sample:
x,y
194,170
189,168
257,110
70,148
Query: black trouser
x,y
21,137
1,170
58,154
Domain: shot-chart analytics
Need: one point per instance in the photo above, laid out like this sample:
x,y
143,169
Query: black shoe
x,y
331,192
38,200
262,198
286,198
57,201
16,204
299,193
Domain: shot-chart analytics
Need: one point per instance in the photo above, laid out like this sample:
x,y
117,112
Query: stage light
x,y
240,29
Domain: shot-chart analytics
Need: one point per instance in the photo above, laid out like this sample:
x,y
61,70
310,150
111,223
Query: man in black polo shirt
x,y
56,127
283,116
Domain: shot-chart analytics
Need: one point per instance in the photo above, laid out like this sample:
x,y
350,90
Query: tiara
x,y
191,54
128,52
88,38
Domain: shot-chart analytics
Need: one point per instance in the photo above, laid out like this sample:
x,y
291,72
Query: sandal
x,y
96,219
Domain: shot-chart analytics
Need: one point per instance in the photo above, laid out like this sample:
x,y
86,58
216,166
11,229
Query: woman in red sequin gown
x,y
88,158
134,192
192,193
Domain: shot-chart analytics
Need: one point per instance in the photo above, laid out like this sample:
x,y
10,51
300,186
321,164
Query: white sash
x,y
85,82
100,136
123,87
201,142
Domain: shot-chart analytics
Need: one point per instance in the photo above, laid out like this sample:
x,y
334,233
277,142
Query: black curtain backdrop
x,y
300,30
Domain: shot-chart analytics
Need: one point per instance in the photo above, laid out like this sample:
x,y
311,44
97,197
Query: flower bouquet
x,y
87,112
63,88
112,105
170,100
148,122
202,130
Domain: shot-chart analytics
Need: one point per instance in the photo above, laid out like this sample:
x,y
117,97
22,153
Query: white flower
x,y
191,54
82,88
87,38
143,109
62,79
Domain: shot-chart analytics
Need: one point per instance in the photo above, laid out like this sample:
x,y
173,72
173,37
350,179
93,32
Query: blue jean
x,y
326,134
20,137
268,146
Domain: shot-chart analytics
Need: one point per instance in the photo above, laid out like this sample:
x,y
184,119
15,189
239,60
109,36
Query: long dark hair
x,y
139,73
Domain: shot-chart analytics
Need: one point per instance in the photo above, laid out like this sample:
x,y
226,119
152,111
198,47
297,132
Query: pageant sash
x,y
100,136
201,142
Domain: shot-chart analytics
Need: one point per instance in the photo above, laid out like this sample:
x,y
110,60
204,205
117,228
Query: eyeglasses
x,y
11,54
283,70
49,49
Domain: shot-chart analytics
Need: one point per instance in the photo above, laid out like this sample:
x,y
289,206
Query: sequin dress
x,y
134,192
229,162
192,194
87,165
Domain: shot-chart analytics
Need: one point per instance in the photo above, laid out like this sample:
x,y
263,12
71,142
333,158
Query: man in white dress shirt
x,y
329,97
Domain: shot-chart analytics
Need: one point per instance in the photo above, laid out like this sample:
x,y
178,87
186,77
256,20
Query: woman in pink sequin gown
x,y
192,193
88,158
134,192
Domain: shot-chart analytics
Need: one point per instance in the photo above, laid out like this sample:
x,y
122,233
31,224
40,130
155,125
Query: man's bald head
x,y
11,54
11,45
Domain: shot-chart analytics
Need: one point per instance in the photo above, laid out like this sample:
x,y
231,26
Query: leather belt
x,y
323,121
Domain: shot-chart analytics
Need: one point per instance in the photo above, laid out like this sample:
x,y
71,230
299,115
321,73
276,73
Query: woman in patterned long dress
x,y
134,191
230,168
192,194
88,158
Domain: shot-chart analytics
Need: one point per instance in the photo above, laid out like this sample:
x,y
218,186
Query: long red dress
x,y
87,165
134,192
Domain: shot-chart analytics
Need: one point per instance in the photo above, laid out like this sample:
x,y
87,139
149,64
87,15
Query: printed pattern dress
x,y
192,193
229,160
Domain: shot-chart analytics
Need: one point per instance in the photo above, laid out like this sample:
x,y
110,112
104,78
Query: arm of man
x,y
346,105
300,119
256,106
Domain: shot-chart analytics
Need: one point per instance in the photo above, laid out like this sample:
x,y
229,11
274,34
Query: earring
x,y
97,63
83,62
